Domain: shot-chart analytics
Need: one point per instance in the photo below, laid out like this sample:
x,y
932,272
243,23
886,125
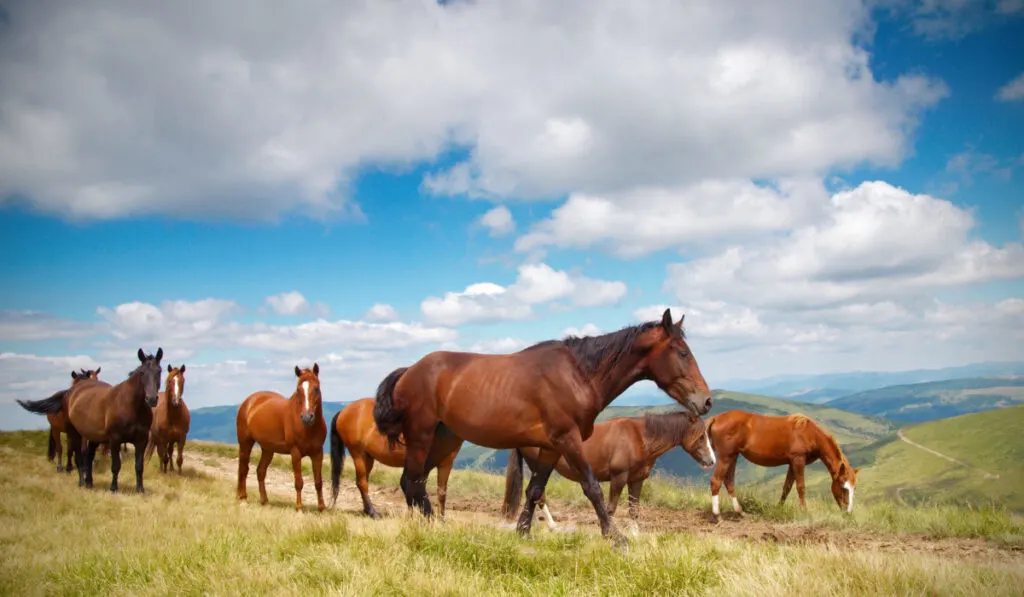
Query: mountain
x,y
930,401
987,446
818,388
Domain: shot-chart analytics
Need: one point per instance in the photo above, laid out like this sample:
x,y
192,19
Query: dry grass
x,y
189,536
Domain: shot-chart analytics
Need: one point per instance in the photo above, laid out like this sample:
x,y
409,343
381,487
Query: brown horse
x,y
793,440
170,421
353,428
621,450
284,426
59,422
102,413
545,396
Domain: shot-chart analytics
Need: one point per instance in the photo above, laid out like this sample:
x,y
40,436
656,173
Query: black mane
x,y
594,352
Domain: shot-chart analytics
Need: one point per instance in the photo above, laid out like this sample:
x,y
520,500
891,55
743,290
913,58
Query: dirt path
x,y
389,501
987,474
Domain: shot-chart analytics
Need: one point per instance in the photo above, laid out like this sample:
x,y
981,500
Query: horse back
x,y
357,429
88,405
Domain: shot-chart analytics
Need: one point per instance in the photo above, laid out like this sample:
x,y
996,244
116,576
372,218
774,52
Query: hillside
x,y
914,403
985,444
188,535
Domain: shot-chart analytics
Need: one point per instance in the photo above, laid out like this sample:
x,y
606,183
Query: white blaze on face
x,y
707,440
177,388
849,499
305,392
714,505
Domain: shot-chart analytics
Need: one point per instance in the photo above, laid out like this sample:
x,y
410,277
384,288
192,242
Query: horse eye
x,y
684,353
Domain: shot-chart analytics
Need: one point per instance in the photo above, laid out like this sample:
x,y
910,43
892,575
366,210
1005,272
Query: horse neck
x,y
661,439
610,382
131,389
829,452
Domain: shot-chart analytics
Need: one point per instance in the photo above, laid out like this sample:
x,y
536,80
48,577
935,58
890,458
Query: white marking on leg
x,y
736,504
548,518
305,391
714,505
849,500
714,459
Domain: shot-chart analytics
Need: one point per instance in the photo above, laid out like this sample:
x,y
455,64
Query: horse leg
x,y
90,459
546,460
787,485
71,457
443,471
364,464
634,498
244,453
548,519
297,469
798,473
721,469
445,447
618,483
181,454
140,462
149,448
571,447
58,449
730,486
115,465
418,445
168,454
261,473
318,479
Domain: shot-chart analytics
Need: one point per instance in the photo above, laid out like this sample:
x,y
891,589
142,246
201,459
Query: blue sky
x,y
819,187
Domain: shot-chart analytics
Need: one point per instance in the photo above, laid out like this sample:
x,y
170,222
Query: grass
x,y
188,536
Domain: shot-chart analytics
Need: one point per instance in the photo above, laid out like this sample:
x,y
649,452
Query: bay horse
x,y
623,451
59,422
794,440
101,413
545,396
353,428
171,421
284,426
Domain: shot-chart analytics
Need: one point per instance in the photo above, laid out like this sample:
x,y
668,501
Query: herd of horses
x,y
540,403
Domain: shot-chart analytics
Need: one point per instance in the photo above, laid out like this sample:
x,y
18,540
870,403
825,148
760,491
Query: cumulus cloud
x,y
498,221
288,303
381,312
536,284
1012,91
281,114
34,325
587,330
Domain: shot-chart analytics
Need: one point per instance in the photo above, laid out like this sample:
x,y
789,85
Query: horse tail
x,y
337,458
46,406
513,484
51,447
389,420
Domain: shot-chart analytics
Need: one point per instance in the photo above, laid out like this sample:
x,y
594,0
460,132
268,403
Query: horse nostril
x,y
707,403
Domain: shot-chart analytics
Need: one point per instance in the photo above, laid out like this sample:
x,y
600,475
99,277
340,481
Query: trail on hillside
x,y
987,474
389,501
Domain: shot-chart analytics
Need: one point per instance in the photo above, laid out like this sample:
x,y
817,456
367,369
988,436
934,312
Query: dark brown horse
x,y
102,413
284,426
545,396
59,422
621,450
793,440
171,421
353,428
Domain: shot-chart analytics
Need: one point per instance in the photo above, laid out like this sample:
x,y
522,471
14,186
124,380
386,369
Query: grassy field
x,y
895,470
189,536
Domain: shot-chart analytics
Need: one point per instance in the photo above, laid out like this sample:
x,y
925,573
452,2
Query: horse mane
x,y
665,428
801,420
593,352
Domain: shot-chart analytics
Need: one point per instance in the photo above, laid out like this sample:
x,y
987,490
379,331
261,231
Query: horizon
x,y
820,188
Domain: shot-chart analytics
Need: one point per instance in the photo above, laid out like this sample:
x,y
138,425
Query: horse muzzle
x,y
307,419
151,401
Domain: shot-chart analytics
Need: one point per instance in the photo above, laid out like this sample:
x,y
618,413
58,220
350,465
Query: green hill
x,y
987,443
915,403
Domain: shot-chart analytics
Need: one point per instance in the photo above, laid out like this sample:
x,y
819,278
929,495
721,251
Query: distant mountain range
x,y
915,403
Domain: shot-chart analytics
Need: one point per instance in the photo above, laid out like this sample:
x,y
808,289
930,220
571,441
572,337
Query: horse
x,y
546,396
102,413
623,451
59,422
353,428
794,440
284,426
170,421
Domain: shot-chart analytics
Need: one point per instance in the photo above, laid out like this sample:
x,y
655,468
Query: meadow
x,y
188,535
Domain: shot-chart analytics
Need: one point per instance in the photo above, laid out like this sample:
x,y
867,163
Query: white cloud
x,y
499,346
536,283
587,330
33,325
288,303
876,242
1012,91
381,312
280,115
498,221
940,20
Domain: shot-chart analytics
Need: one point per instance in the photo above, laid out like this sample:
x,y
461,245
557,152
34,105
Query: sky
x,y
818,186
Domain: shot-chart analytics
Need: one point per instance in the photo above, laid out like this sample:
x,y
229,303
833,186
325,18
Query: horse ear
x,y
182,368
680,323
142,356
856,470
74,375
316,369
159,353
298,372
169,367
98,369
666,320
842,468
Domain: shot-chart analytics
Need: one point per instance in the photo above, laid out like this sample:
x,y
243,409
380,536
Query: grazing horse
x,y
353,428
284,426
59,423
170,421
545,396
793,440
621,450
99,412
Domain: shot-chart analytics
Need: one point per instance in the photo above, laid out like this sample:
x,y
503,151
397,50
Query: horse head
x,y
670,364
84,374
307,389
175,383
149,372
843,484
697,442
